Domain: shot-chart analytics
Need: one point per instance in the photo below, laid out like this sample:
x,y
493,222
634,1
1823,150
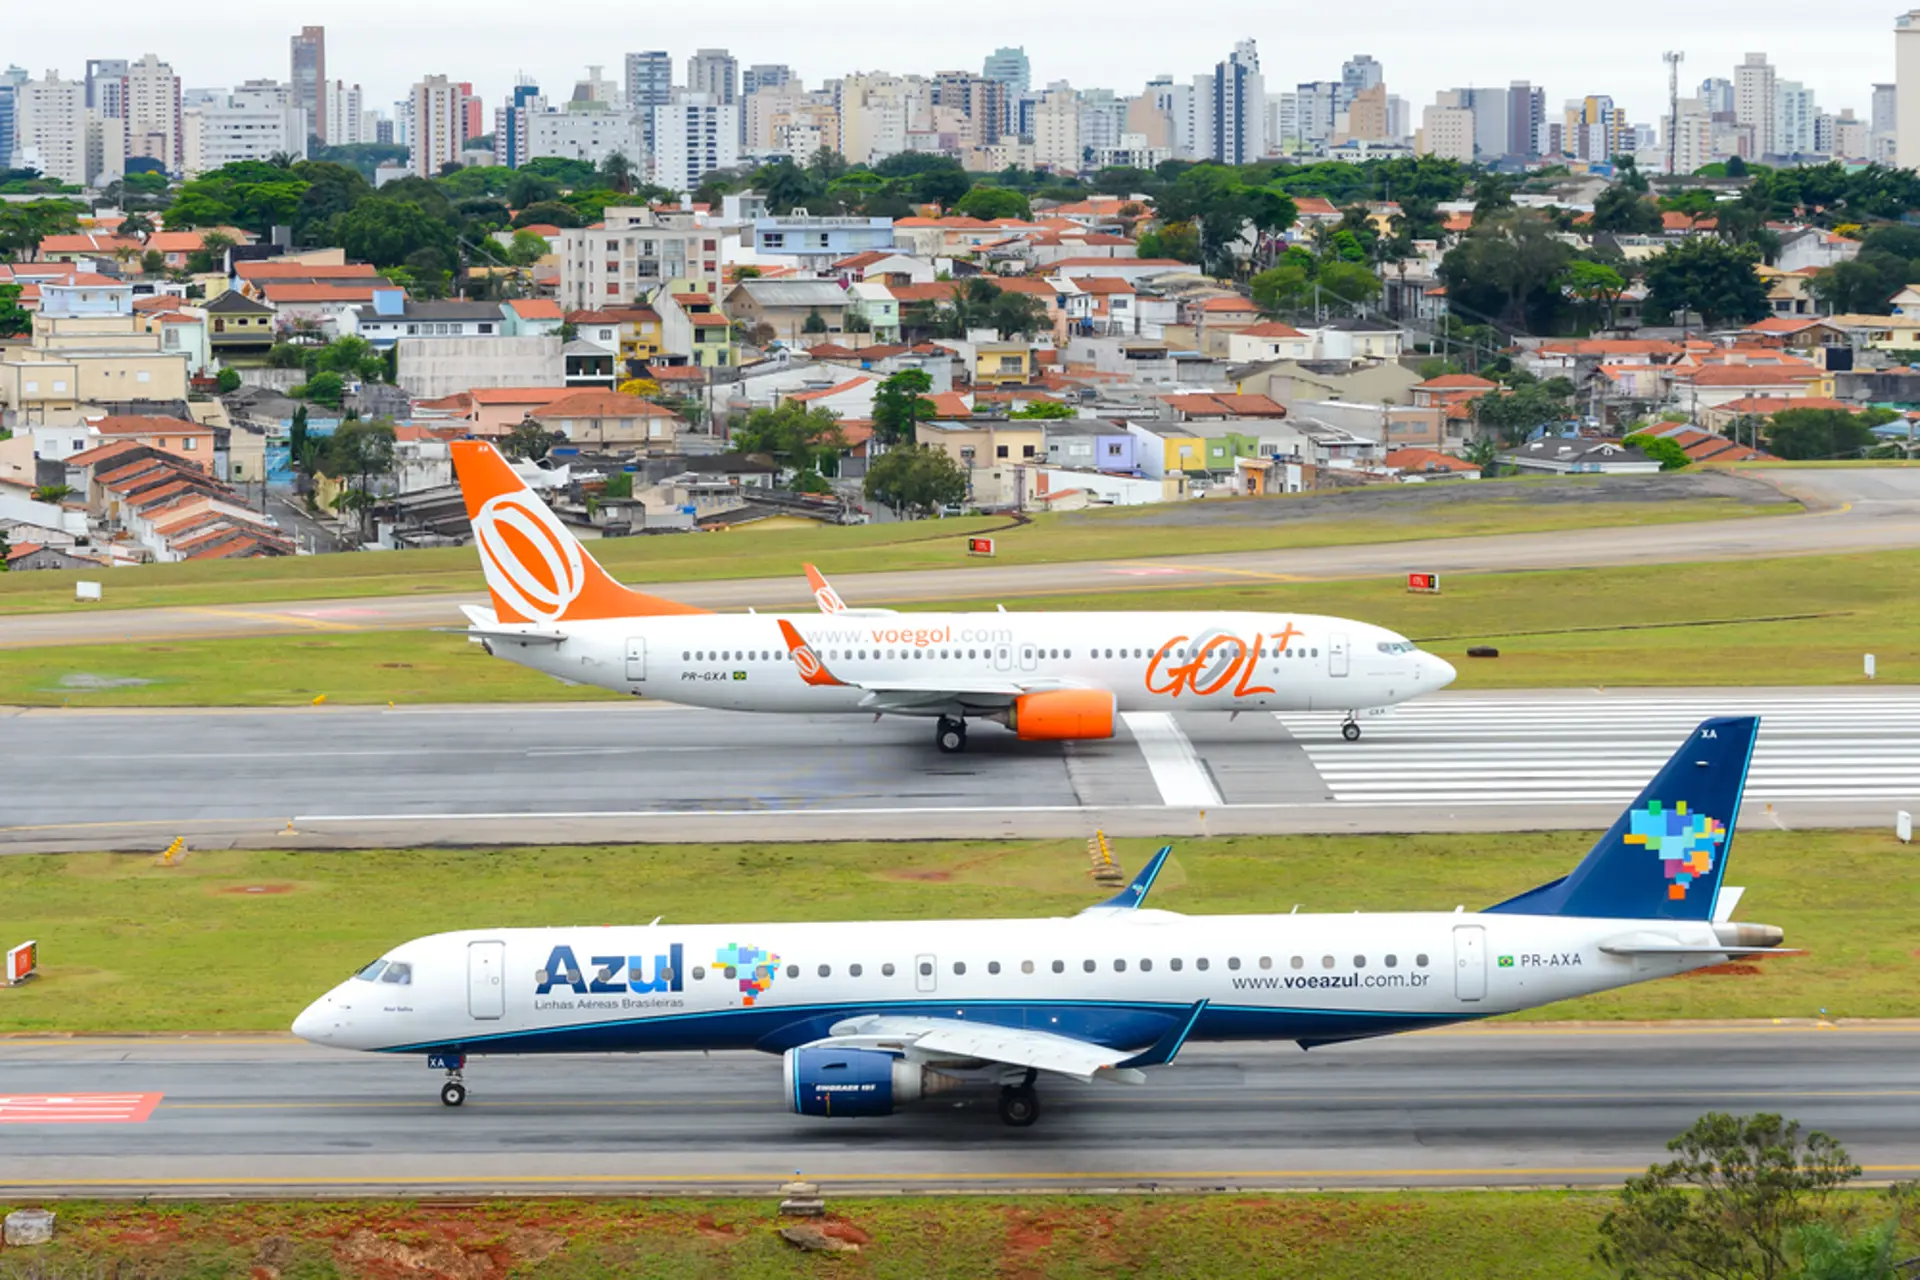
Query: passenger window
x,y
1233,962
1146,966
959,968
1026,966
1359,962
1119,966
400,974
826,971
1392,960
1059,966
793,971
993,966
853,970
1088,965
1266,962
1326,962
1315,653
685,655
1201,964
1299,962
926,968
886,971
1421,960
699,972
1174,964
730,972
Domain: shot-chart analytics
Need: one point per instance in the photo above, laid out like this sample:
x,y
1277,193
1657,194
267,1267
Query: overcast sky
x,y
1571,49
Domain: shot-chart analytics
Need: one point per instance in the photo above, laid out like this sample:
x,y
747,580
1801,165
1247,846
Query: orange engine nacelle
x,y
1062,715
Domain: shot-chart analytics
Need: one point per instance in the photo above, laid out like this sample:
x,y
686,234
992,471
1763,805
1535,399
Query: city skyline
x,y
387,51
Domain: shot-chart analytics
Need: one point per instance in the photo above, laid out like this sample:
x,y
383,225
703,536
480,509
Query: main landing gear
x,y
1351,729
454,1091
1020,1103
950,735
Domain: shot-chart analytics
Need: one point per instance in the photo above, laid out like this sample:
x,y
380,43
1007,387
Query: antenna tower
x,y
1673,59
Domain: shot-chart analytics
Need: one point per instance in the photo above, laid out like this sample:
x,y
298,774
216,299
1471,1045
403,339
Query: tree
x,y
52,493
530,440
1663,450
527,249
153,262
799,438
322,388
1282,288
1349,282
1727,1206
1508,265
361,449
814,323
1018,313
24,226
900,405
1595,284
916,480
1861,285
14,319
1624,211
1224,209
616,172
1709,277
1812,434
386,232
1052,410
229,381
299,444
136,224
1515,413
1177,240
992,203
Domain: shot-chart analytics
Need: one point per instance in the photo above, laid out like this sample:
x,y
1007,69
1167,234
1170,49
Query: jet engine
x,y
824,1081
1061,715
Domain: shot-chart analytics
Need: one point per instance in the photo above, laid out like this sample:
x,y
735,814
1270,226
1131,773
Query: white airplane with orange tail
x,y
1045,676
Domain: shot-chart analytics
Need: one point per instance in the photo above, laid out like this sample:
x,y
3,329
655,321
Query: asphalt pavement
x,y
1855,510
1493,1106
326,777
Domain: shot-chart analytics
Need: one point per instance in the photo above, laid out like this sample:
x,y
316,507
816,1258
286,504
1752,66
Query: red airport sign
x,y
979,546
1424,582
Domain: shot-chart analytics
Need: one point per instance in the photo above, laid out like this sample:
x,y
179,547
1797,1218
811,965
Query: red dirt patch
x,y
840,1229
931,877
712,1230
258,888
1732,969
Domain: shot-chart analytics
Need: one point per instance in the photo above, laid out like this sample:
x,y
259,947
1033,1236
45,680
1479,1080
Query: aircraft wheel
x,y
951,736
1350,731
1019,1106
453,1093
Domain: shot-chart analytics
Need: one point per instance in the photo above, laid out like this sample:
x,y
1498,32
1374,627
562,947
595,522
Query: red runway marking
x,y
77,1108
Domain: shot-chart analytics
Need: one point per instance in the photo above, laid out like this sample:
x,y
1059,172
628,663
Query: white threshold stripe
x,y
1170,757
1386,782
1396,752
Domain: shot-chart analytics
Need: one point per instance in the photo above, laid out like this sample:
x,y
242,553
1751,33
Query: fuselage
x,y
1114,977
1198,661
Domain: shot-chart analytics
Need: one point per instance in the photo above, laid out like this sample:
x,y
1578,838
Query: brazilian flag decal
x,y
1506,962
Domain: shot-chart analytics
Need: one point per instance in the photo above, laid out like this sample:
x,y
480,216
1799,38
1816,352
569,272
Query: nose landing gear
x,y
1351,729
454,1091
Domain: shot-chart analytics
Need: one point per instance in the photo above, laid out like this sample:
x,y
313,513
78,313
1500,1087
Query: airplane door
x,y
1336,655
636,658
1470,962
926,972
1003,656
486,990
1029,658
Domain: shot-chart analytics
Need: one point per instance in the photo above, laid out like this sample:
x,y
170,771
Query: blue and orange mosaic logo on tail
x,y
1684,842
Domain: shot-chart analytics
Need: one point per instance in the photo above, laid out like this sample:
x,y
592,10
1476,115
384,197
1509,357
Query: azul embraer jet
x,y
869,1015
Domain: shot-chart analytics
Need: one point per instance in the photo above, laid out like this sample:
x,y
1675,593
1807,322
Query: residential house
x,y
1093,445
188,441
1168,450
1212,406
1001,364
636,335
1813,248
799,312
1453,394
239,324
1579,455
1430,464
492,412
874,310
330,268
82,352
1268,340
532,318
1722,416
609,422
693,331
848,398
1213,321
1703,387
323,308
889,268
1707,448
585,364
1391,426
1358,338
995,452
393,316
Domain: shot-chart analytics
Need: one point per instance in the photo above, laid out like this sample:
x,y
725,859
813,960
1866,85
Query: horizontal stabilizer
x,y
1679,949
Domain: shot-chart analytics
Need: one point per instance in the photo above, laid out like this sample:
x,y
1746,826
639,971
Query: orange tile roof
x,y
85,242
278,269
951,404
537,309
1674,220
1105,285
849,385
1748,375
1226,405
1234,304
1318,206
602,404
1774,404
1427,460
518,395
1121,262
279,294
1271,329
1455,382
134,424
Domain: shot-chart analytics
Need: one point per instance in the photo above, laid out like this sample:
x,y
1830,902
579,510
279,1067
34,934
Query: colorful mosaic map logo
x,y
1684,842
752,967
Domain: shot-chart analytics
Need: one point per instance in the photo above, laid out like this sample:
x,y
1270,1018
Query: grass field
x,y
1320,520
130,946
1494,1236
1689,624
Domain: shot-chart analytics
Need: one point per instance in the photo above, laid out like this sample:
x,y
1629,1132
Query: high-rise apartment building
x,y
1367,116
309,76
473,113
510,124
591,135
8,109
763,75
1690,135
1446,128
649,85
1056,131
50,128
1103,119
715,73
1756,103
255,122
1489,107
1010,67
1906,79
980,101
692,136
878,111
1239,107
633,255
436,124
153,131
1526,115
1358,74
1881,123
104,89
1716,94
1795,114
346,108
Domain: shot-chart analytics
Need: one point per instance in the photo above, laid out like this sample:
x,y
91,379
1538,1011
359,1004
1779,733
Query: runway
x,y
371,777
1500,1105
1857,510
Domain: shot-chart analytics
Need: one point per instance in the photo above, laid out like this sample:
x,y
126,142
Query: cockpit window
x,y
398,973
372,971
1399,646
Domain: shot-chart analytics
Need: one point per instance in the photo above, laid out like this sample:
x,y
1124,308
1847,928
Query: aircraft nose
x,y
1439,670
317,1022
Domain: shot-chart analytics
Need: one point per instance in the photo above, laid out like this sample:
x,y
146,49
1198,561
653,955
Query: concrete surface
x,y
1499,1105
369,777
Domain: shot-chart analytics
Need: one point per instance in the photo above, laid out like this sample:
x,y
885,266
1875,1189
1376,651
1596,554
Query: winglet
x,y
1163,1051
812,670
1136,893
823,593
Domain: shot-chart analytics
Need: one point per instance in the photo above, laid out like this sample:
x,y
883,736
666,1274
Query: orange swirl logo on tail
x,y
533,564
812,670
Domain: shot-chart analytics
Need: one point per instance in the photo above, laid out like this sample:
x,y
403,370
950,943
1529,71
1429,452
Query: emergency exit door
x,y
486,987
1470,962
636,659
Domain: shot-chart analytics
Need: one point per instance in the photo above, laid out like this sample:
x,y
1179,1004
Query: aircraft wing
x,y
906,695
954,1040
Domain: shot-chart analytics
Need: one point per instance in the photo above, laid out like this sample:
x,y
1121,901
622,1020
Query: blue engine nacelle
x,y
824,1081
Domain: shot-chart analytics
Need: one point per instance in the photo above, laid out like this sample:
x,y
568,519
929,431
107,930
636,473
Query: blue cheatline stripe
x,y
1733,823
799,1012
1186,1031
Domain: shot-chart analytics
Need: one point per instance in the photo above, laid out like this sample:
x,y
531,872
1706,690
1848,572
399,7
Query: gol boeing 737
x,y
1046,676
870,1015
